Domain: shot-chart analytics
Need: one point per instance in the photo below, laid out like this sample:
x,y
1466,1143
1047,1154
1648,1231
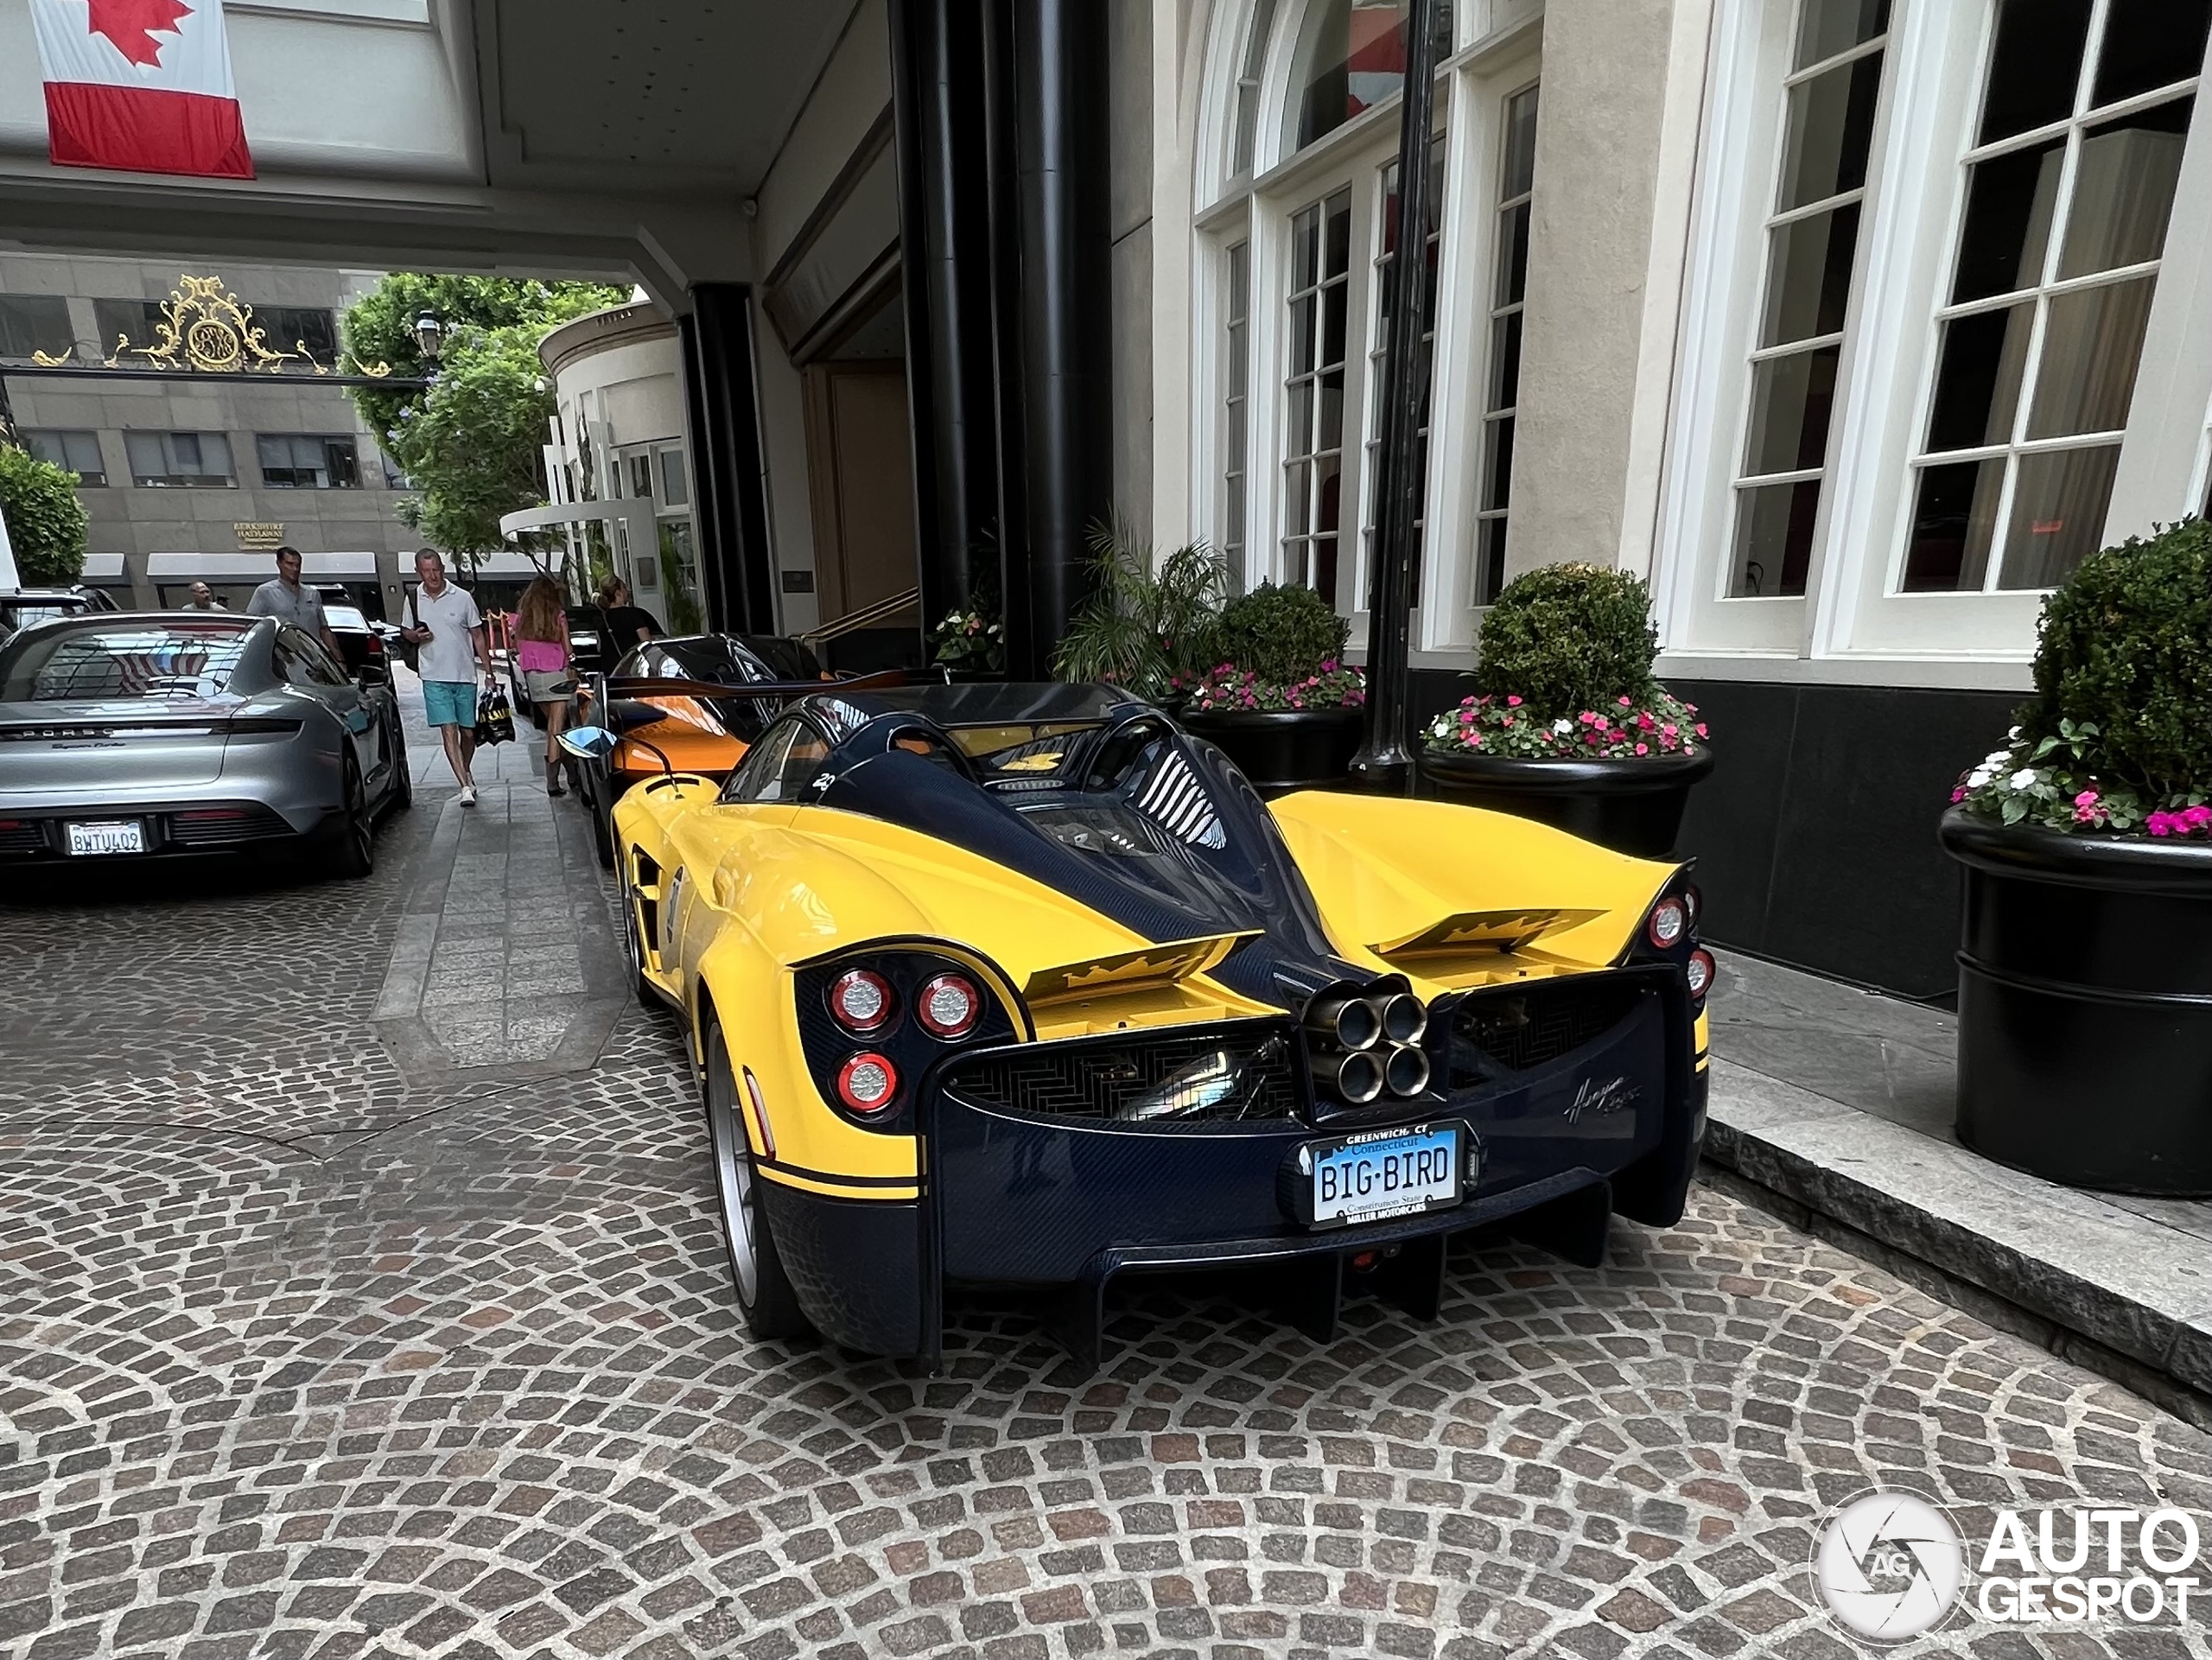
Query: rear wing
x,y
633,685
1148,965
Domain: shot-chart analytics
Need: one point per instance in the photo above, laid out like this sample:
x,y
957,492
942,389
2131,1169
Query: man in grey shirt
x,y
289,600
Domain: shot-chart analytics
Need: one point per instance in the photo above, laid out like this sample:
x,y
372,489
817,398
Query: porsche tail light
x,y
861,999
948,1006
1668,922
868,1083
1699,971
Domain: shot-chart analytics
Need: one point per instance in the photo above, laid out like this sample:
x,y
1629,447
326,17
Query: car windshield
x,y
133,660
346,616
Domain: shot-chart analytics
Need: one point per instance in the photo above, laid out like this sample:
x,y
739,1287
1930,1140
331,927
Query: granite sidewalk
x,y
1832,1108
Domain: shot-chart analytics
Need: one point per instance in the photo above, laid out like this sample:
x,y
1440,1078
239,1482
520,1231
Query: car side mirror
x,y
588,742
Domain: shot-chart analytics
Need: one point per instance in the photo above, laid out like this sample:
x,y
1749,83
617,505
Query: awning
x,y
259,567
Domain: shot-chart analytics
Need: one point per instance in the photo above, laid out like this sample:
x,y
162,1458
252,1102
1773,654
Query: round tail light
x,y
948,1007
1669,922
859,1000
868,1083
1699,971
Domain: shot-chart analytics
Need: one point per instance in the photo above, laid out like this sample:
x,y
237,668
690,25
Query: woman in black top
x,y
629,625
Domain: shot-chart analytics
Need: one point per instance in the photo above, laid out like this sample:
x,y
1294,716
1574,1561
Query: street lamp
x,y
429,335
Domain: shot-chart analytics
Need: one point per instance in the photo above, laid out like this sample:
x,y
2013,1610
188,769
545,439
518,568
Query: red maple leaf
x,y
131,24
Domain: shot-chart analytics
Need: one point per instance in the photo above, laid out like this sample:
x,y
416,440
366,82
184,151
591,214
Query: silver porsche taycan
x,y
134,736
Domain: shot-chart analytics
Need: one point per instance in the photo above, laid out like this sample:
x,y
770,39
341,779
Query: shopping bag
x,y
495,720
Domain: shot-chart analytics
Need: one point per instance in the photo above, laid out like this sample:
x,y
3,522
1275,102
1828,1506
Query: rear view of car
x,y
145,734
361,642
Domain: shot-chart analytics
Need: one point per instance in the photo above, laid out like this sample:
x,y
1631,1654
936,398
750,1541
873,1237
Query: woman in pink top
x,y
548,670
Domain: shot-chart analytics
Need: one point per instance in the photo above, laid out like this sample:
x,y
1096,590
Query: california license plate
x,y
1383,1173
118,835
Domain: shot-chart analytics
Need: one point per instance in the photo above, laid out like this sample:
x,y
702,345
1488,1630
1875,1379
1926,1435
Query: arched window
x,y
1294,256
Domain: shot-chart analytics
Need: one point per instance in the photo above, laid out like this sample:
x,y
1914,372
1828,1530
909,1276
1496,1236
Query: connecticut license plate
x,y
119,836
1383,1173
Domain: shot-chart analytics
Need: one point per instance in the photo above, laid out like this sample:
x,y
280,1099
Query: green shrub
x,y
1145,619
1278,635
2125,647
1569,637
45,522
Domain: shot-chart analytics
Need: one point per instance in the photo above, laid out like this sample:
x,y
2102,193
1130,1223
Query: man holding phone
x,y
447,631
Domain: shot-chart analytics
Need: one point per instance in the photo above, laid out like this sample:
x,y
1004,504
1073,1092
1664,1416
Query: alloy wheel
x,y
734,1183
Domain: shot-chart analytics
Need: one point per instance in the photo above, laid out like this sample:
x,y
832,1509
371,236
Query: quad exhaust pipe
x,y
1369,1045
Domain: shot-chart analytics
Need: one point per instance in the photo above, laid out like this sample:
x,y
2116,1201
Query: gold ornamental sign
x,y
205,328
254,537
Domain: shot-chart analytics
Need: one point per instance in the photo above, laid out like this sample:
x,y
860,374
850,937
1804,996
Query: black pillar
x,y
998,108
944,241
728,475
1060,62
1384,761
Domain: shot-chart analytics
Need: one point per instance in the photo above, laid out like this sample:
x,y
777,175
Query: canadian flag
x,y
140,85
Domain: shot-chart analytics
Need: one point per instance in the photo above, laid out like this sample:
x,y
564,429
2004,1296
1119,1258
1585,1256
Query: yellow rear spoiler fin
x,y
1483,930
1148,965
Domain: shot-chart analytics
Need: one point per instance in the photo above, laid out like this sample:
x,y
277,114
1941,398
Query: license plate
x,y
121,836
1384,1173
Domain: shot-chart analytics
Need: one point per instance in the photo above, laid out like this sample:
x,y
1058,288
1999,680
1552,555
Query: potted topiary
x,y
1280,700
1567,724
2085,966
1141,625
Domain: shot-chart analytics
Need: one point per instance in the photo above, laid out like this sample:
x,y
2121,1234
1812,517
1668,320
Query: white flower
x,y
1996,758
2014,734
2023,778
1979,776
1562,724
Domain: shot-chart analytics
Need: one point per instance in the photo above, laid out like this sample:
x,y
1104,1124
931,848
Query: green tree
x,y
470,441
45,522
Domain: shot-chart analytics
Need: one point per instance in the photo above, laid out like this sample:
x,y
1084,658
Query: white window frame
x,y
1498,51
1851,625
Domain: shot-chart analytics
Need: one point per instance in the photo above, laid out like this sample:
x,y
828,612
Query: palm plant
x,y
1144,623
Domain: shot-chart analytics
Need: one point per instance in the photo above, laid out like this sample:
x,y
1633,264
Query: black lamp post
x,y
1384,763
429,335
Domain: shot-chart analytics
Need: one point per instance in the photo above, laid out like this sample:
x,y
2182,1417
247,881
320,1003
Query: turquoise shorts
x,y
449,702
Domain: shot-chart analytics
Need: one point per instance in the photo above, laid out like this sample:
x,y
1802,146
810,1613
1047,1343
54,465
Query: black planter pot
x,y
1633,805
2085,1006
1281,750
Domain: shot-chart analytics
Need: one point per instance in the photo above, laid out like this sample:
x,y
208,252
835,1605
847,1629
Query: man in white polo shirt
x,y
444,624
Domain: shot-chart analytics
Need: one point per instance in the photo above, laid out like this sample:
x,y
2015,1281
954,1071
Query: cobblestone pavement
x,y
305,1352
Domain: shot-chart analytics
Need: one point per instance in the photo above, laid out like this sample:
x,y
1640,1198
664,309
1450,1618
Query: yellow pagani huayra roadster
x,y
1023,986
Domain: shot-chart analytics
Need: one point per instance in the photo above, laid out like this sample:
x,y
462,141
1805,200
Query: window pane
x,y
2009,205
1352,57
2124,190
1978,378
1333,300
34,322
675,487
1301,334
1298,498
1331,409
2150,43
1298,428
1513,255
137,323
1489,560
1791,399
2058,514
147,458
1831,122
1952,523
1520,145
1248,85
2034,65
1808,276
1305,248
1337,243
1505,361
2092,341
1828,27
1498,469
1774,538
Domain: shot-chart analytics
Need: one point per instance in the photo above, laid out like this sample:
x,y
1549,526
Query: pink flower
x,y
2086,798
1587,717
1699,728
2198,818
1645,720
1513,702
1644,749
1505,720
1591,737
1958,795
1669,730
1617,736
1625,703
2159,823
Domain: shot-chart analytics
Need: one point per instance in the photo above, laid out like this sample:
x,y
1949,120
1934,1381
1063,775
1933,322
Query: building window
x,y
2068,189
192,460
296,328
1247,85
79,452
126,323
674,484
395,478
1811,244
307,460
1320,295
1235,404
1351,58
36,322
641,475
1379,348
1502,384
